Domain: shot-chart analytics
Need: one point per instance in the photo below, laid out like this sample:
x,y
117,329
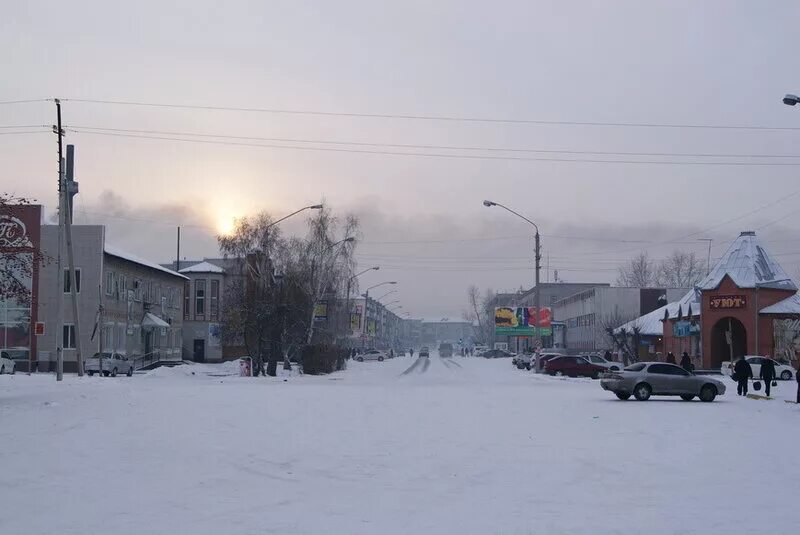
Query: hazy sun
x,y
226,224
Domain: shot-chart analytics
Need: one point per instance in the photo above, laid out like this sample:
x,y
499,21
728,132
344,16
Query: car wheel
x,y
596,375
105,374
559,374
380,359
624,396
642,391
528,367
786,375
114,372
90,374
687,397
360,359
708,393
130,372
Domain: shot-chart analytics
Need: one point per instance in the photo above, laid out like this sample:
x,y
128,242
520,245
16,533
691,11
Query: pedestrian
x,y
411,350
607,355
742,372
671,358
797,376
686,362
767,373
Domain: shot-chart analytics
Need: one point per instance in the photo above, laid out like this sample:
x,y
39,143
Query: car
x,y
573,367
424,351
112,364
496,354
782,371
542,359
523,362
479,348
7,364
445,350
601,361
645,379
372,354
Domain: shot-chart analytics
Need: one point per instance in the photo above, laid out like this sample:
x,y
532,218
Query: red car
x,y
573,367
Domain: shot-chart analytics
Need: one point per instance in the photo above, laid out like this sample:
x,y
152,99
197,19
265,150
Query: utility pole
x,y
708,261
69,191
60,276
537,302
178,257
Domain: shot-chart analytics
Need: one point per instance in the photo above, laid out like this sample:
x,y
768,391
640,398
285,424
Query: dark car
x,y
573,367
424,352
446,350
496,354
541,360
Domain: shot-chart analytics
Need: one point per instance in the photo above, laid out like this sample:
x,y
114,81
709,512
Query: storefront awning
x,y
151,320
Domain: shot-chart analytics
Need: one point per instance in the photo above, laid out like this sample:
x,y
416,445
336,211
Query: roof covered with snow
x,y
688,305
749,265
790,305
113,251
202,267
651,323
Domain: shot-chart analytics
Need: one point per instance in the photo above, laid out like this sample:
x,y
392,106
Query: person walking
x,y
671,358
767,373
797,376
686,362
742,372
411,350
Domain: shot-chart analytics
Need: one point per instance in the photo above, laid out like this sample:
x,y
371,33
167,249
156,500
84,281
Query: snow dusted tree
x,y
638,272
623,340
480,311
680,270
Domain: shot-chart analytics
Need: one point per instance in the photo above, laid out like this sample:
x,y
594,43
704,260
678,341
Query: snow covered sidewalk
x,y
465,446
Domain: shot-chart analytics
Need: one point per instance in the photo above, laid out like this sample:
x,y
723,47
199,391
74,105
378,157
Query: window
x,y
109,282
137,289
639,366
68,281
200,297
187,299
68,336
665,369
123,287
214,302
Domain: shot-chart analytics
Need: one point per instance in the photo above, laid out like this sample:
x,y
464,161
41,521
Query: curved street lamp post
x,y
538,257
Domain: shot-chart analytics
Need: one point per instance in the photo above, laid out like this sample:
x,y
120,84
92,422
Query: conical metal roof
x,y
748,264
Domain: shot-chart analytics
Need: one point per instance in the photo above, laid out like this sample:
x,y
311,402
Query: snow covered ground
x,y
463,446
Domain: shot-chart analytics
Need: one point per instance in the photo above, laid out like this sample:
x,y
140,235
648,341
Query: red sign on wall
x,y
728,301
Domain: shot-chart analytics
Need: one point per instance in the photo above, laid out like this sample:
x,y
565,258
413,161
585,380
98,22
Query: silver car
x,y
645,379
112,364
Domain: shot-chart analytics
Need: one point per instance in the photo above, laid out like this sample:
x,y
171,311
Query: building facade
x,y
456,332
125,303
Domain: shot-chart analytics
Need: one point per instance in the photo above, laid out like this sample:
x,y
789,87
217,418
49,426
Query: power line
x,y
439,155
26,101
446,118
25,132
431,147
8,126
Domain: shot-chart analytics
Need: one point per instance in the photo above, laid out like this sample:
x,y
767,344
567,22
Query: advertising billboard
x,y
522,321
320,312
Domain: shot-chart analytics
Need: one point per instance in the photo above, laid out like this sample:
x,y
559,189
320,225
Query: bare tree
x,y
624,340
639,272
680,270
480,311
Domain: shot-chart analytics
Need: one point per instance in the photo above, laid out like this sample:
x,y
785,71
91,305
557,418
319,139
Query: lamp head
x,y
791,100
315,207
489,203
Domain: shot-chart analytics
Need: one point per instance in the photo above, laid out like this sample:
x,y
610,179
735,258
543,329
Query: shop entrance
x,y
720,350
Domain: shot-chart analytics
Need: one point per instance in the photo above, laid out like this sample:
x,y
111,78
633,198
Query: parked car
x,y
782,371
542,359
445,350
112,364
523,361
601,361
424,351
7,364
478,349
645,379
573,367
371,354
496,354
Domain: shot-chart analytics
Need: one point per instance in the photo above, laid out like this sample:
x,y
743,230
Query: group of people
x,y
686,361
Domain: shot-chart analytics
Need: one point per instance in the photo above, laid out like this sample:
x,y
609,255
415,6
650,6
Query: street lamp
x,y
538,256
384,295
791,100
366,304
312,207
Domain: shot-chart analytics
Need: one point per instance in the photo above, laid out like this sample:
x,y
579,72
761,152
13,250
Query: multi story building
x,y
125,303
588,314
447,331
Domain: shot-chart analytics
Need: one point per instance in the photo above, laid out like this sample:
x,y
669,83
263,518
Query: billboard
x,y
355,322
522,321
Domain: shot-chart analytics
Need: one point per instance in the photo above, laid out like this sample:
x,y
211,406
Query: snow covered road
x,y
462,445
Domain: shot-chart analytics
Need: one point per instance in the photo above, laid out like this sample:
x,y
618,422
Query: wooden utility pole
x,y
59,330
73,286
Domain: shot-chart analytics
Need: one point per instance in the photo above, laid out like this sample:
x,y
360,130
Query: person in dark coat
x,y
686,362
767,374
670,358
742,372
797,376
608,356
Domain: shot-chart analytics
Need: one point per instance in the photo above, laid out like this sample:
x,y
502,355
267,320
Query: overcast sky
x,y
671,62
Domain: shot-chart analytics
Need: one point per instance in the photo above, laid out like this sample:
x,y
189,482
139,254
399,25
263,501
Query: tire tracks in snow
x,y
422,364
451,364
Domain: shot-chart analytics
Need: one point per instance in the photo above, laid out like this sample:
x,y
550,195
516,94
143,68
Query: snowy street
x,y
465,445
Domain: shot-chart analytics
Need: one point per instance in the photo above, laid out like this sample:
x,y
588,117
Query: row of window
x,y
206,299
118,286
587,320
115,337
